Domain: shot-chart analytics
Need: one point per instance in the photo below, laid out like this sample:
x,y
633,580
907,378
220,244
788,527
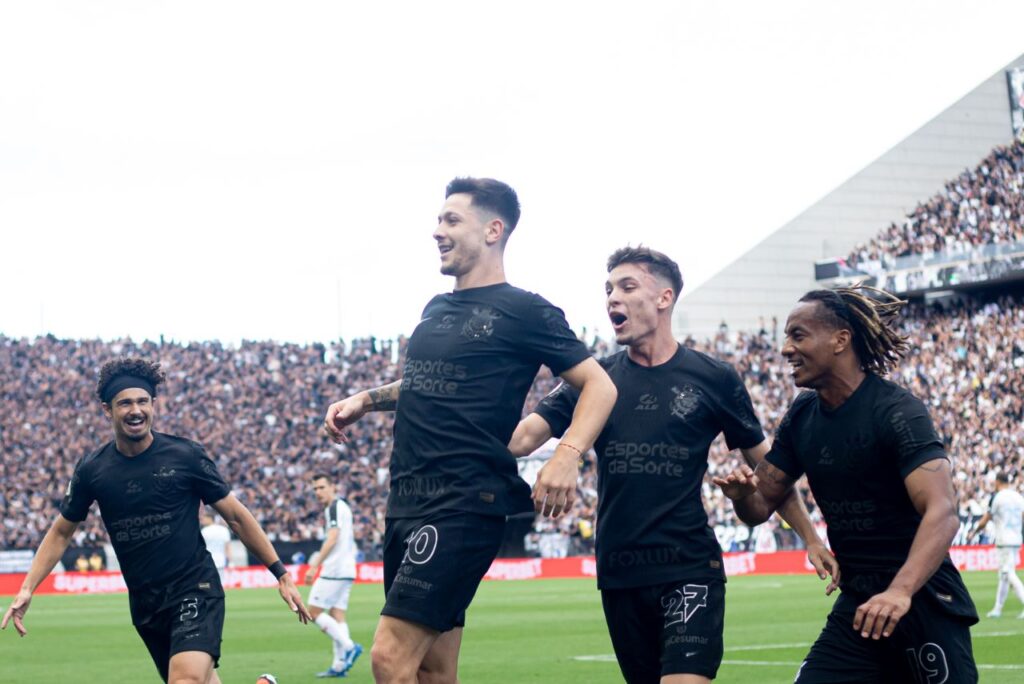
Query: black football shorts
x,y
928,646
433,565
666,629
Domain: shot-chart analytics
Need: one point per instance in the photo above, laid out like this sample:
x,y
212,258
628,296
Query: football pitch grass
x,y
528,631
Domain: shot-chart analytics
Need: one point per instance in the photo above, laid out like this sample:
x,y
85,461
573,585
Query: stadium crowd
x,y
258,409
982,206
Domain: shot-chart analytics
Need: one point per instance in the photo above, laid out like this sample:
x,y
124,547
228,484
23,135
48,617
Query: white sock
x,y
1002,591
332,629
346,638
1018,588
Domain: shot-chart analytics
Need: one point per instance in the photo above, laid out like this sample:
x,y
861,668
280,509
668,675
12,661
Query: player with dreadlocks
x,y
881,477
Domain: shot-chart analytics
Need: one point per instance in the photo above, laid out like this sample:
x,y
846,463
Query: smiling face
x,y
461,234
637,300
131,414
812,345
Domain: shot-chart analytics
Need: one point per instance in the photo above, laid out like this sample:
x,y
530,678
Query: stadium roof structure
x,y
765,282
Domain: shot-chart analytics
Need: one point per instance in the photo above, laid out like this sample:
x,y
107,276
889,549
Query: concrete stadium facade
x,y
766,281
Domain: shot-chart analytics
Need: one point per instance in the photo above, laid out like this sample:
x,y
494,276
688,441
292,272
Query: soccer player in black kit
x,y
469,365
659,565
881,477
149,486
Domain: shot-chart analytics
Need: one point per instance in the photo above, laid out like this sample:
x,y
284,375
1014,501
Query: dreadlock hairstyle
x,y
870,315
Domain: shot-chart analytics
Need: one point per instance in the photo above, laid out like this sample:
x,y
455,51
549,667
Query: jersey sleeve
x,y
344,517
549,339
735,410
333,516
78,496
782,455
907,428
206,478
557,408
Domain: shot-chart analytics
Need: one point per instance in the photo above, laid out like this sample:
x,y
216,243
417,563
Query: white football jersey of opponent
x,y
341,561
1006,508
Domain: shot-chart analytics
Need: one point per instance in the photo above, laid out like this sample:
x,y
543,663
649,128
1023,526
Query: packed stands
x,y
982,206
258,409
258,406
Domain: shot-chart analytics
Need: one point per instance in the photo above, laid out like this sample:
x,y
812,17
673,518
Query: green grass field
x,y
530,631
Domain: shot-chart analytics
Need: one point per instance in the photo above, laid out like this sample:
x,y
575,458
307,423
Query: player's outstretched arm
x,y
531,432
244,525
930,487
756,494
794,512
343,413
53,546
555,489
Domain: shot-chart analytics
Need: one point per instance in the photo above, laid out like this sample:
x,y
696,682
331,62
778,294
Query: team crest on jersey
x,y
164,478
685,402
481,324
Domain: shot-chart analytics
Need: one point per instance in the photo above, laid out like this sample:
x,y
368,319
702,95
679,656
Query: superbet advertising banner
x,y
779,563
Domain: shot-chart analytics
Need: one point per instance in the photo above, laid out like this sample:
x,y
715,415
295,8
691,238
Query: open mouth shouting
x,y
618,320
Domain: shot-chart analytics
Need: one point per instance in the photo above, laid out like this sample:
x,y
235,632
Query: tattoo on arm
x,y
775,483
384,398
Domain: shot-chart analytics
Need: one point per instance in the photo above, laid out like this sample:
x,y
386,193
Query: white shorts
x,y
330,593
1007,558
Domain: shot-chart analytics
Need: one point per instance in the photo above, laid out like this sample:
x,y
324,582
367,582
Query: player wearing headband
x,y
149,486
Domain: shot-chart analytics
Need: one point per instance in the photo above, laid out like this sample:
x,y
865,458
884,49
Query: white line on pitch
x,y
767,647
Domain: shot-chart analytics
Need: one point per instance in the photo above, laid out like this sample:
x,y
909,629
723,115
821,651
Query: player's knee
x,y
187,678
389,666
436,674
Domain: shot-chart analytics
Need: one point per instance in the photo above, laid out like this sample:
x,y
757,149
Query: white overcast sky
x,y
273,170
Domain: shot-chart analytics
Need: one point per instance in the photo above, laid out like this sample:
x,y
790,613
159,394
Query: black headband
x,y
123,382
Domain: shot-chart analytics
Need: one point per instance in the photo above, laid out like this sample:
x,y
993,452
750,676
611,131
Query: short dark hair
x,y
870,315
491,195
657,263
128,365
320,476
1001,476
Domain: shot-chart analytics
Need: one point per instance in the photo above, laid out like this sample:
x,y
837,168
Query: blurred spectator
x,y
95,561
258,409
982,206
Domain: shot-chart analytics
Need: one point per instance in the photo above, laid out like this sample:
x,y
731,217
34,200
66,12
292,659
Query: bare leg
x,y
191,667
441,664
399,646
685,679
